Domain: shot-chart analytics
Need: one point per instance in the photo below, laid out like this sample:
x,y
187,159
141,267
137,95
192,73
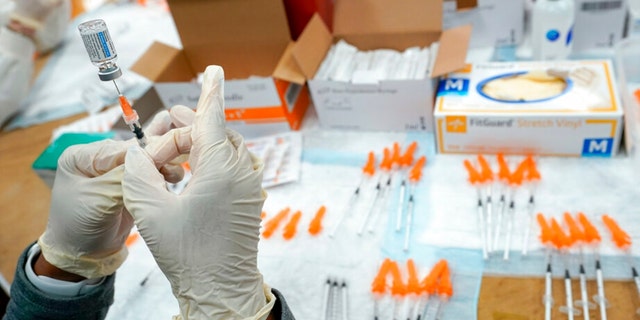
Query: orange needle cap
x,y
621,239
416,172
379,284
292,226
385,164
590,232
575,232
271,225
486,173
561,239
397,286
430,282
533,173
474,175
126,107
395,156
316,224
546,234
370,167
503,173
413,284
407,158
445,287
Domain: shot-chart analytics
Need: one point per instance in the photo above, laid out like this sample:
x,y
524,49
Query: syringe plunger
x,y
100,48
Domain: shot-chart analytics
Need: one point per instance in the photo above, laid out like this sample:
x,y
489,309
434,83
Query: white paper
x,y
100,122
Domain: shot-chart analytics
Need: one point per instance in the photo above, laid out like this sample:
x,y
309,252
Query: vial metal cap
x,y
110,73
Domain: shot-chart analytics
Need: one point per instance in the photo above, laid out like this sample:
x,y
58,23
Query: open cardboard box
x,y
395,105
264,87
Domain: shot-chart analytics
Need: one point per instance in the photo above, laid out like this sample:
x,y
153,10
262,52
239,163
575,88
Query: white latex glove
x,y
32,13
16,67
88,223
6,7
205,240
17,49
54,27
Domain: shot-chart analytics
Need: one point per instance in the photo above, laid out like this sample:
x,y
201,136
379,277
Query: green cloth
x,y
48,159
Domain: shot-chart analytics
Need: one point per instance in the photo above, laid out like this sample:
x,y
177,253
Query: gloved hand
x,y
32,13
88,223
205,240
43,21
35,25
16,67
54,27
6,7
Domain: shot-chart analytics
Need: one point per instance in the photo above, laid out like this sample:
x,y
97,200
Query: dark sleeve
x,y
28,302
281,309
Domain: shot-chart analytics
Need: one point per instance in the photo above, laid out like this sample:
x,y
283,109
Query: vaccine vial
x,y
102,53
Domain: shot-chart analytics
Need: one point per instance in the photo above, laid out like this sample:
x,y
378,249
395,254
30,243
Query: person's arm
x,y
280,310
29,301
69,274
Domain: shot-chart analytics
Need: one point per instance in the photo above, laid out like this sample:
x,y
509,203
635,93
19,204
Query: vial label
x,y
99,46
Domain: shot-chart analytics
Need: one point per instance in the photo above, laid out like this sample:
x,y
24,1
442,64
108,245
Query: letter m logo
x,y
597,147
453,86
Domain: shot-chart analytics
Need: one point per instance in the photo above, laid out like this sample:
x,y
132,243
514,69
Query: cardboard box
x,y
395,105
264,88
599,24
495,22
300,12
575,110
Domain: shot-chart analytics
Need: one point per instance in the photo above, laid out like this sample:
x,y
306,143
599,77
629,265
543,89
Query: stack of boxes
x,y
267,74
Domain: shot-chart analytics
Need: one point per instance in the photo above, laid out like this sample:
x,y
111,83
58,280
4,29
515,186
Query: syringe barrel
x,y
133,122
100,48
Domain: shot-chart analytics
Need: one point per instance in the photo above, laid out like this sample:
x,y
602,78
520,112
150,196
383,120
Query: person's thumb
x,y
143,187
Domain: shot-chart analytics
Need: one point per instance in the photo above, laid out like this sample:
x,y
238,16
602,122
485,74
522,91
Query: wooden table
x,y
24,198
24,205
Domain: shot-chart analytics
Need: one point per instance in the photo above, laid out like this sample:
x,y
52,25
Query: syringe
x,y
592,237
579,237
487,177
475,178
533,176
368,171
379,286
103,55
414,177
385,166
131,118
546,237
636,279
504,176
406,160
563,242
515,182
